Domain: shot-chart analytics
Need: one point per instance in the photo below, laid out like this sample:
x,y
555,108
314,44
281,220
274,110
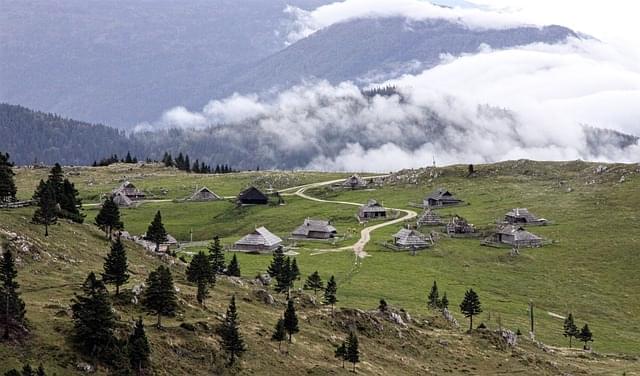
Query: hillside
x,y
586,271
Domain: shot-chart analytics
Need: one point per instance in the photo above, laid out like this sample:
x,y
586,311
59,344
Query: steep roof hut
x,y
354,182
252,196
429,218
128,189
440,198
516,236
410,239
260,240
315,229
120,199
522,216
372,209
204,194
459,225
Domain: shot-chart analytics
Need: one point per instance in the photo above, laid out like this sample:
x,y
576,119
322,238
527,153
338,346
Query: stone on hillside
x,y
84,367
264,297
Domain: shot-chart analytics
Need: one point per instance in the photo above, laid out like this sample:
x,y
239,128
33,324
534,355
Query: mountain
x,y
381,48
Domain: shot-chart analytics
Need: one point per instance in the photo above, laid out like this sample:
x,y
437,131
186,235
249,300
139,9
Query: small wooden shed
x,y
516,236
128,189
522,216
120,199
429,218
372,210
314,229
440,198
354,182
410,239
260,240
459,225
204,194
252,196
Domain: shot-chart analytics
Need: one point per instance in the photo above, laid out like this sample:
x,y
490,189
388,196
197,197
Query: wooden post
x,y
531,315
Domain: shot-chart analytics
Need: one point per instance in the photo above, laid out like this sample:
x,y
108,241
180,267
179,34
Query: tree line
x,y
183,163
114,159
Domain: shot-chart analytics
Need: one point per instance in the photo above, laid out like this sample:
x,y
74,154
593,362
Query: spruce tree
x,y
570,328
585,336
470,306
291,320
234,268
279,333
216,253
283,279
108,219
199,271
116,266
128,158
160,296
70,203
93,318
434,298
341,352
330,293
47,213
12,309
231,339
294,272
7,184
444,302
138,348
156,232
277,263
314,282
352,351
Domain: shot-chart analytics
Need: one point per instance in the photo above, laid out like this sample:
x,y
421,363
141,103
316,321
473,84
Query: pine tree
x,y
128,159
383,306
283,279
231,339
108,219
116,266
341,352
294,272
434,298
291,320
470,306
160,296
7,184
12,309
156,232
277,263
352,351
570,328
279,333
330,293
444,302
234,268
199,271
585,336
314,282
138,348
94,321
187,164
46,214
70,203
216,253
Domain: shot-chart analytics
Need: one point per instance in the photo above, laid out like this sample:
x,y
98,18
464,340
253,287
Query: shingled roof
x,y
519,233
522,215
260,237
429,218
314,225
204,194
407,238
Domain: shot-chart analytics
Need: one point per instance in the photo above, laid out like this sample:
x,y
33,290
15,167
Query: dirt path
x,y
365,234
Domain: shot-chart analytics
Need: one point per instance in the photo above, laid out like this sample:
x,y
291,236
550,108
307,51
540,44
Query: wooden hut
x,y
515,236
204,194
440,198
522,216
314,229
429,218
252,196
120,199
410,239
372,210
459,225
354,182
260,240
130,191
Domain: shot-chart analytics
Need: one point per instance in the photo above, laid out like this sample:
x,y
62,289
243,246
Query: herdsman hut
x,y
204,194
522,216
410,239
260,240
314,229
440,198
130,191
459,225
354,182
429,218
122,200
372,210
515,236
252,196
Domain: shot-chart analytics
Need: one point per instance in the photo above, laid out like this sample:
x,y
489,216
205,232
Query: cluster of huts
x,y
262,240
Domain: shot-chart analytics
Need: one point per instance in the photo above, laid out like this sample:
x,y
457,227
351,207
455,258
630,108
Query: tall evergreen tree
x,y
199,271
7,184
12,310
93,318
330,293
47,213
570,328
341,352
444,302
434,298
277,263
70,203
156,232
138,348
128,158
216,253
283,279
116,266
108,218
585,336
291,320
352,353
279,333
314,282
470,306
294,272
160,296
231,339
234,267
